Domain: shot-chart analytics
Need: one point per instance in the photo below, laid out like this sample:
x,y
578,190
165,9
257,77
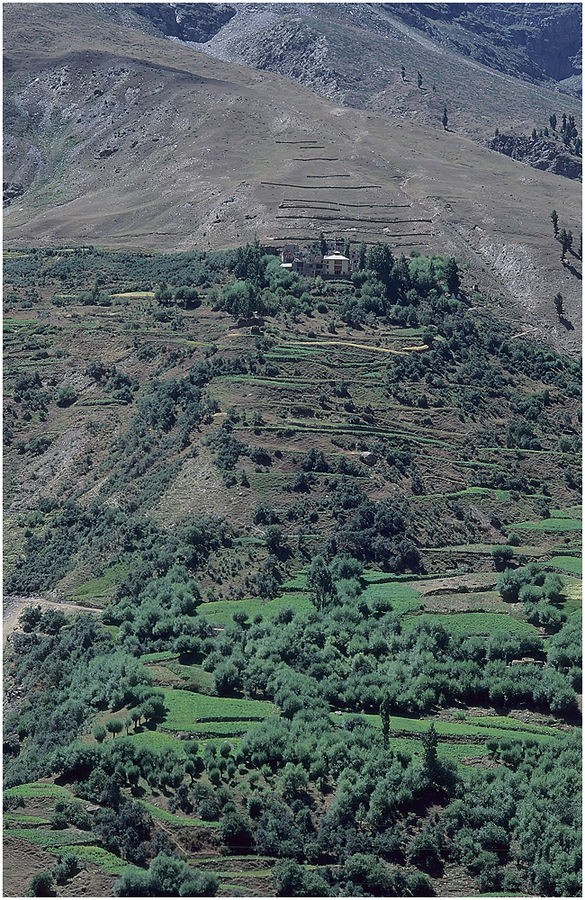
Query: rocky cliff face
x,y
539,153
194,22
535,41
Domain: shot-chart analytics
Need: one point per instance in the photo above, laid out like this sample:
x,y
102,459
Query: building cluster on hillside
x,y
312,261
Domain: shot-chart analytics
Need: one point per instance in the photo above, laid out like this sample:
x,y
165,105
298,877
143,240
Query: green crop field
x,y
46,839
403,597
37,789
471,623
189,711
220,612
156,740
572,564
107,861
183,821
468,728
553,525
16,819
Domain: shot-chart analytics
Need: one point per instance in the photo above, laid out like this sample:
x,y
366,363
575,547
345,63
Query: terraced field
x,y
180,477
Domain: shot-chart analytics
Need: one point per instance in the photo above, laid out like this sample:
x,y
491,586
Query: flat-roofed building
x,y
335,264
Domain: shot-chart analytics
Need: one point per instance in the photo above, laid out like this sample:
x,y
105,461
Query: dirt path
x,y
13,607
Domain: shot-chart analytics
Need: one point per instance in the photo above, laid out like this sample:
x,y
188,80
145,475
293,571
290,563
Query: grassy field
x,y
472,623
403,597
38,789
567,563
220,612
553,524
192,712
468,728
183,821
47,839
98,855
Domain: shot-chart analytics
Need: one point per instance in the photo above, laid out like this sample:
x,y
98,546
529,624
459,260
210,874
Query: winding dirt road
x,y
14,605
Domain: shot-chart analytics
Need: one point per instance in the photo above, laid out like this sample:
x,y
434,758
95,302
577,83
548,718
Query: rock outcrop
x,y
538,153
196,22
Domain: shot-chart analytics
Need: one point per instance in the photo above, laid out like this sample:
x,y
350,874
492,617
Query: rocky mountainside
x,y
122,137
354,53
540,42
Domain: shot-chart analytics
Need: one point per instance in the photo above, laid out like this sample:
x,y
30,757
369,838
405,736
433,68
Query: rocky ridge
x,y
539,153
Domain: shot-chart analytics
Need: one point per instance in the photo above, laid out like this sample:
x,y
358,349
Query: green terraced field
x,y
472,623
572,564
156,740
403,597
37,789
98,855
188,711
44,838
173,819
554,525
220,612
455,752
22,819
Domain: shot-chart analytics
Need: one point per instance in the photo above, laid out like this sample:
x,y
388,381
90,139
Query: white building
x,y
335,264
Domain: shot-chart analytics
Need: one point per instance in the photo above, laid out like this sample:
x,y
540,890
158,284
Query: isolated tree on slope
x,y
554,217
445,120
452,276
320,583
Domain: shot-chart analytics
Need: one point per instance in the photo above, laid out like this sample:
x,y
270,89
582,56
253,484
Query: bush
x,y
502,556
41,885
99,733
66,868
66,396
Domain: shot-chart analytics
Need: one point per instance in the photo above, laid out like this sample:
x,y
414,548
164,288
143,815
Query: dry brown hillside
x,y
122,138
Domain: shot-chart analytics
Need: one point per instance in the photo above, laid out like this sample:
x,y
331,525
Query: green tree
x,y
30,618
132,883
99,733
445,119
114,726
553,122
565,239
430,757
322,245
41,885
403,73
275,539
236,832
501,556
66,396
66,868
320,583
558,302
554,217
166,874
419,79
452,276
385,717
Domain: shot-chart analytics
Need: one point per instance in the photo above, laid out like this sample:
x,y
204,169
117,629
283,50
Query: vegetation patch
x,y
187,711
472,623
567,564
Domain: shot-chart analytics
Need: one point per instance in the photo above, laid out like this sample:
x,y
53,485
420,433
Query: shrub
x,y
41,885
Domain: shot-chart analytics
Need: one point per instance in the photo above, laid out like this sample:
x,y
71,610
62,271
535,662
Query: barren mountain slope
x,y
122,138
492,69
